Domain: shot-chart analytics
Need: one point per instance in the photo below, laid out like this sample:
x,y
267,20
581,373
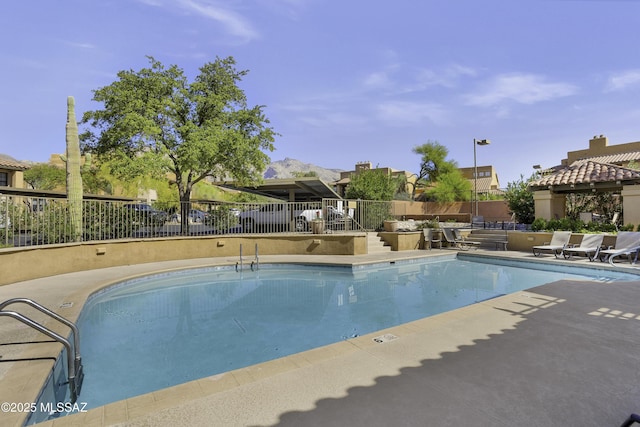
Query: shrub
x,y
628,227
539,224
520,200
554,224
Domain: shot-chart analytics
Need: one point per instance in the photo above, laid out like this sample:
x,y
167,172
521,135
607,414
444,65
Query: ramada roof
x,y
583,174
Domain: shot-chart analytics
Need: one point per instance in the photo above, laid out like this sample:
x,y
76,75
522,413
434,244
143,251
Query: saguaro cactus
x,y
74,179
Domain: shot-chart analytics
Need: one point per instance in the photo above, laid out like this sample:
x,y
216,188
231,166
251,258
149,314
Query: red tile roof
x,y
587,172
8,162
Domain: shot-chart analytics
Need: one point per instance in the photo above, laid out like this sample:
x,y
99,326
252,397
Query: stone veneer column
x,y
549,205
631,204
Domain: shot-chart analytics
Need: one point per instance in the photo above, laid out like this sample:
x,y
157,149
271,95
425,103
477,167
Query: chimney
x,y
363,166
598,142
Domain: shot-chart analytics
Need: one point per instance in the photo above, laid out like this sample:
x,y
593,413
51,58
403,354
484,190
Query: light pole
x,y
538,170
475,172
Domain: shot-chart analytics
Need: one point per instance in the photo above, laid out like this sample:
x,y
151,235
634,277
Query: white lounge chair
x,y
627,244
559,241
450,238
460,238
589,246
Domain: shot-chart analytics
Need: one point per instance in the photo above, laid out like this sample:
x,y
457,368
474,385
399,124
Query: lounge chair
x,y
460,243
633,418
614,220
460,238
559,241
589,246
627,244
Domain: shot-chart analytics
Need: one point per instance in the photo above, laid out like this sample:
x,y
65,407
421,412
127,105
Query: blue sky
x,y
348,81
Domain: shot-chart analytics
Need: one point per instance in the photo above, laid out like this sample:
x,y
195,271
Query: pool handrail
x,y
74,360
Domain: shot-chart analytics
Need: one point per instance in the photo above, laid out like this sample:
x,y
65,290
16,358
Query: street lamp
x,y
475,171
538,169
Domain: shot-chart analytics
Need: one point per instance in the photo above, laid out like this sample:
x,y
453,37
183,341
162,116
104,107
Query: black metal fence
x,y
27,220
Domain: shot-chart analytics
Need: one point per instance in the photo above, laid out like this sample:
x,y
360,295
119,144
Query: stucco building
x,y
345,177
11,172
487,182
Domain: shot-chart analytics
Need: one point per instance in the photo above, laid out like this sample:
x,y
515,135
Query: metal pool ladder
x,y
254,264
74,361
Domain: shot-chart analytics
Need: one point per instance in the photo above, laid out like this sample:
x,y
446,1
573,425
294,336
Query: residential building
x,y
345,177
487,183
601,152
11,172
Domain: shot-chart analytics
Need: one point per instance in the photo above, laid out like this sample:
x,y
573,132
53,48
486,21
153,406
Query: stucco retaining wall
x,y
18,264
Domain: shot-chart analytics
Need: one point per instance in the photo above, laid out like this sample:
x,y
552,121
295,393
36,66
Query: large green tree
x,y
43,176
450,187
433,163
371,184
157,123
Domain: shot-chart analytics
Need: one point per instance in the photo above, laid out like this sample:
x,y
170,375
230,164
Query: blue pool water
x,y
166,329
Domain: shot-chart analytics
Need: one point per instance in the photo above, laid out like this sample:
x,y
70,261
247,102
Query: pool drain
x,y
385,338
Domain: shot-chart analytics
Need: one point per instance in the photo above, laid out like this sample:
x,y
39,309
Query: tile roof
x,y
615,158
586,172
8,162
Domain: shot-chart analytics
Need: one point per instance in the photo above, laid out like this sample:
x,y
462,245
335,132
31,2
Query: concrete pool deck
x,y
565,353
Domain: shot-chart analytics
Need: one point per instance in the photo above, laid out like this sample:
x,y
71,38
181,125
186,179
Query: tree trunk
x,y
185,207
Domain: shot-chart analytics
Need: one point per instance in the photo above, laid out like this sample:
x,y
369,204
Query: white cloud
x,y
234,23
323,113
624,80
397,80
403,112
446,77
335,120
288,8
81,45
154,3
378,79
520,88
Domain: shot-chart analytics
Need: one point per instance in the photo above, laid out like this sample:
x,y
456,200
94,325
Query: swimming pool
x,y
161,330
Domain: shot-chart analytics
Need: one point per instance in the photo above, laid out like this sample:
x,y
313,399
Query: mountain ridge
x,y
287,167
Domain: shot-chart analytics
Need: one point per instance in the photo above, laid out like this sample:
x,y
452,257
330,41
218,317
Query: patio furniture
x,y
452,240
633,418
627,244
589,246
559,241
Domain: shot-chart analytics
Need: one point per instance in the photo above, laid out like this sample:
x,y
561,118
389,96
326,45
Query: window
x,y
4,179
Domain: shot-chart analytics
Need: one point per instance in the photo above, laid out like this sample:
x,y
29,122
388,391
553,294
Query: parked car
x,y
277,216
145,214
195,216
339,220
